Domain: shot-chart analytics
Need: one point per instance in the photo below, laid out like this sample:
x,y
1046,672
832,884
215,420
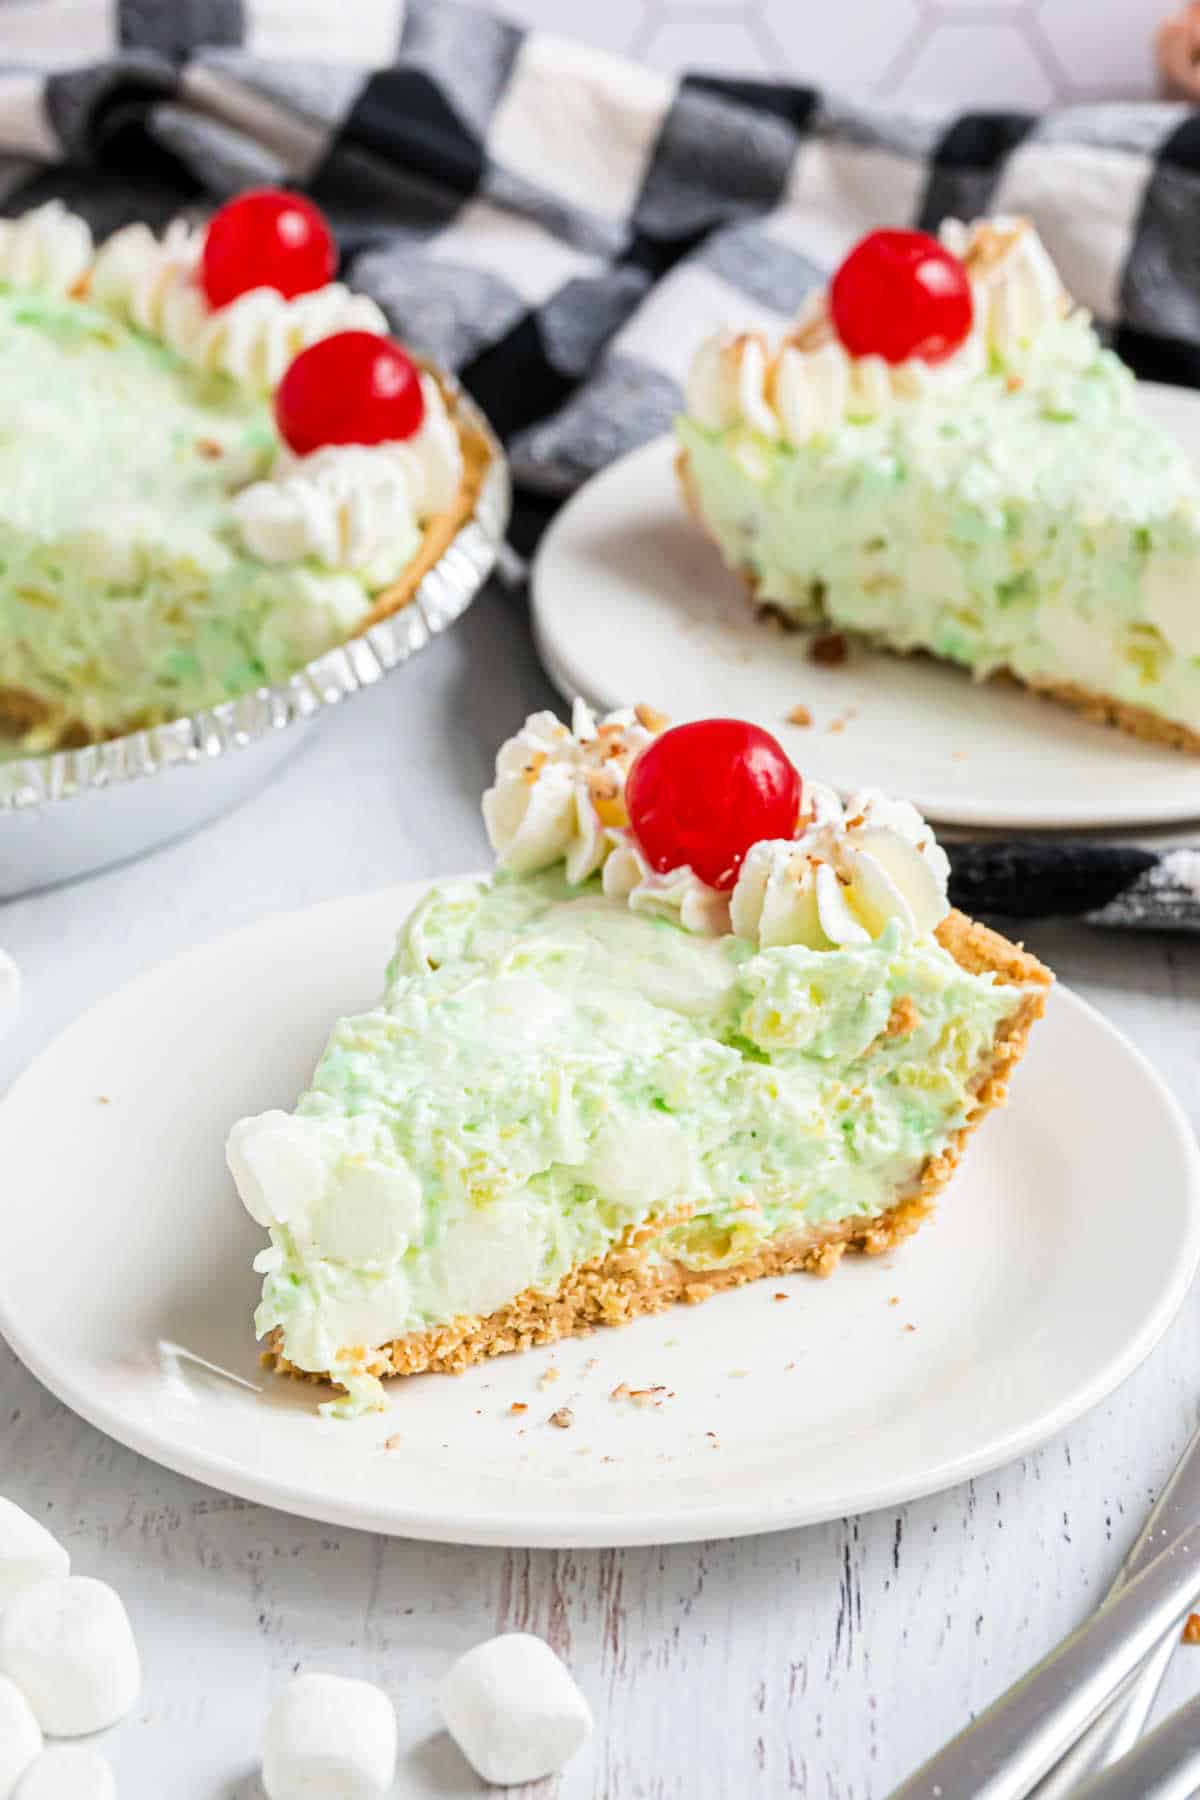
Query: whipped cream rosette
x,y
813,382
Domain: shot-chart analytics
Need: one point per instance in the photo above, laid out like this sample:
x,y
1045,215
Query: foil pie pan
x,y
74,811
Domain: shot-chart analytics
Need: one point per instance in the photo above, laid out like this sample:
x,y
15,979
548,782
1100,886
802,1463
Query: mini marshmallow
x,y
69,1644
20,1737
28,1553
329,1738
68,1772
513,1709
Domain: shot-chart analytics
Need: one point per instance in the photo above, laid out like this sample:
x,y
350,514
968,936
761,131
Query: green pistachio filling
x,y
125,596
1032,520
548,1068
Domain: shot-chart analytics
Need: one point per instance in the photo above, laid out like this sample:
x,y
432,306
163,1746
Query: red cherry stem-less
x,y
267,238
351,388
901,294
702,794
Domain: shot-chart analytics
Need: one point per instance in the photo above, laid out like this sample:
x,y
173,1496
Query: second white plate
x,y
631,602
125,1284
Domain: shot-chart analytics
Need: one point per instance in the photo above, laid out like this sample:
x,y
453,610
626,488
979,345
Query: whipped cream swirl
x,y
812,385
346,505
846,875
561,794
49,249
153,283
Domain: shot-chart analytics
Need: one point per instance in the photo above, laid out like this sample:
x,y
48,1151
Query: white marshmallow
x,y
329,1738
69,1644
20,1737
28,1553
513,1709
68,1772
10,991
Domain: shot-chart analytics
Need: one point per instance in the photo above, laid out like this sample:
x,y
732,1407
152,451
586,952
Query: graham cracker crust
x,y
22,711
630,1281
1101,709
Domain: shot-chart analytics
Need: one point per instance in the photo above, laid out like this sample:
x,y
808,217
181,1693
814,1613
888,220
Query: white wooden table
x,y
822,1662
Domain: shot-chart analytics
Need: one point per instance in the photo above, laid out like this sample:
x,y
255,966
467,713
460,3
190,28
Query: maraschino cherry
x,y
702,794
351,388
267,238
900,294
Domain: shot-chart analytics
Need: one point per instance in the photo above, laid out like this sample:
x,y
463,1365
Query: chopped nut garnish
x,y
992,243
903,1018
828,649
799,715
1191,1629
650,718
394,1442
894,1300
549,1377
714,1439
564,1418
209,447
781,1296
910,1328
602,784
518,1406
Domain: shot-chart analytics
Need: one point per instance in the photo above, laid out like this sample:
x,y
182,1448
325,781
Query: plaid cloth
x,y
558,226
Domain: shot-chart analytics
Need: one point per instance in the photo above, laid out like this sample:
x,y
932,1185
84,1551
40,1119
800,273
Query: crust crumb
x,y
903,1018
518,1406
393,1442
1191,1630
799,715
828,649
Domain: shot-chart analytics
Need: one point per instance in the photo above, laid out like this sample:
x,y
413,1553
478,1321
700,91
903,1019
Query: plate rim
x,y
559,1528
963,815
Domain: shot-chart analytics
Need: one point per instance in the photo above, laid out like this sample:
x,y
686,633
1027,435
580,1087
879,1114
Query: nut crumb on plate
x,y
564,1418
518,1406
1191,1629
799,715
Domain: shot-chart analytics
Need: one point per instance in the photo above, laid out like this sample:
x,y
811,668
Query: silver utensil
x,y
1122,1722
1164,1766
1023,1734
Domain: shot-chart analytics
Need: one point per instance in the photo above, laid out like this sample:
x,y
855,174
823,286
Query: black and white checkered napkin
x,y
558,226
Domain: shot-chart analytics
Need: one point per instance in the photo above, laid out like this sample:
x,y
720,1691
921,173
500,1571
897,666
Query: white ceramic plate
x,y
126,1286
631,602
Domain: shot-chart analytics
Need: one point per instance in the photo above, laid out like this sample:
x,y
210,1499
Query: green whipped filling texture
x,y
1032,520
548,1068
125,597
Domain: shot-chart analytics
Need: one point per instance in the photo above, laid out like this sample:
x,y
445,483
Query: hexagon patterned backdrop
x,y
977,52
